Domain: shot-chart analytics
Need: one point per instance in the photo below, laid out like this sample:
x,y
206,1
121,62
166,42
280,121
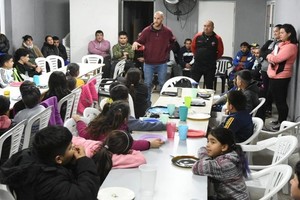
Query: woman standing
x,y
265,50
280,69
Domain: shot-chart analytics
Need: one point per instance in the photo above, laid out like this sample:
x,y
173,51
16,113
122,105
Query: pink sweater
x,y
131,160
140,145
287,52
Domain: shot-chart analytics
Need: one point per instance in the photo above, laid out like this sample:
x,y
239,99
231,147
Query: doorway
x,y
223,11
136,16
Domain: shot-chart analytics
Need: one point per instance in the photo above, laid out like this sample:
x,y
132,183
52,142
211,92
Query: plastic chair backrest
x,y
92,59
76,92
6,195
223,64
261,103
285,146
69,99
71,125
131,106
172,81
258,125
90,113
42,119
119,68
277,177
53,61
41,62
16,134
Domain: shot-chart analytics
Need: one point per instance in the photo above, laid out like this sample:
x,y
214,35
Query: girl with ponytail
x,y
73,71
223,161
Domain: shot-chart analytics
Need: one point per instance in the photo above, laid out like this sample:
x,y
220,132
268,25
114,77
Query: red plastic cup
x,y
171,129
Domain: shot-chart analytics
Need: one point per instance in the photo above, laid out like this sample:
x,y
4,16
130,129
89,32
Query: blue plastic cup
x,y
171,109
183,112
183,130
36,80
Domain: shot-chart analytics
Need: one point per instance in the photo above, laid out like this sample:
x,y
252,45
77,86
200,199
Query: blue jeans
x,y
149,70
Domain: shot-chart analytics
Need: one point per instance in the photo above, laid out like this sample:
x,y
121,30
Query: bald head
x,y
208,27
158,19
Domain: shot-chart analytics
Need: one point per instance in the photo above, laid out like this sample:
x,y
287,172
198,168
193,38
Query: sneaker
x,y
276,127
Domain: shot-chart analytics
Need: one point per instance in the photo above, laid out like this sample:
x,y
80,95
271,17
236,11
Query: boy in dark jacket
x,y
51,169
239,121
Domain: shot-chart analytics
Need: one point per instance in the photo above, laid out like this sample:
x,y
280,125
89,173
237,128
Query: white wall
x,y
88,16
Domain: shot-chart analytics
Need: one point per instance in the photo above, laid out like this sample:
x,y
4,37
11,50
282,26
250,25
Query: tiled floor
x,y
292,159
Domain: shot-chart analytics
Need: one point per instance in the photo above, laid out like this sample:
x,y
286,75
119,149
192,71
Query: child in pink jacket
x,y
114,152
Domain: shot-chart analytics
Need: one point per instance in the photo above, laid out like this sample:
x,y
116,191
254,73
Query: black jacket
x,y
31,179
251,92
48,50
4,44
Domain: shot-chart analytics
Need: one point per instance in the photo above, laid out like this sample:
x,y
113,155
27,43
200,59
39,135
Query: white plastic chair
x,y
16,134
119,68
131,106
172,81
223,64
71,125
92,59
258,125
41,120
91,113
76,93
261,103
268,182
54,61
69,99
41,62
284,146
6,195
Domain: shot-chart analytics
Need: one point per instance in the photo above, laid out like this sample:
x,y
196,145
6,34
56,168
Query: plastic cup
x,y
164,118
171,109
171,129
194,92
182,130
148,178
36,80
183,112
188,101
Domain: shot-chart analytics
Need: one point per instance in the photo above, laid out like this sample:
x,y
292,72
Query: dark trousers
x,y
106,67
279,89
266,91
209,76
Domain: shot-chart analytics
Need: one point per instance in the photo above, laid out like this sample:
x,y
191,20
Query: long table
x,y
172,182
15,95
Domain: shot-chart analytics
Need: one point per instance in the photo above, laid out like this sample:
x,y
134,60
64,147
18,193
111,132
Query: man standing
x,y
157,40
101,47
207,47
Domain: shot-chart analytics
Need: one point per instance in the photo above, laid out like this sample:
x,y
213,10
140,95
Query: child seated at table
x,y
119,92
113,117
73,70
239,121
5,124
51,169
6,72
58,87
31,97
115,152
295,184
223,161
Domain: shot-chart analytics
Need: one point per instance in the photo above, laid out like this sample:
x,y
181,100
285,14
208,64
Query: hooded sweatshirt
x,y
33,179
